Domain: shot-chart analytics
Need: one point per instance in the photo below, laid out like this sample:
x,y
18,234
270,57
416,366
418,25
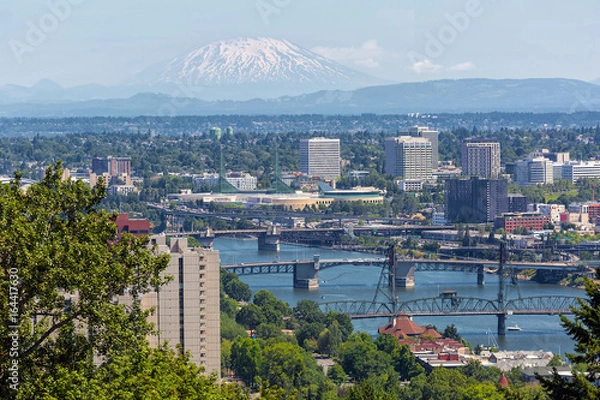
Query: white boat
x,y
513,328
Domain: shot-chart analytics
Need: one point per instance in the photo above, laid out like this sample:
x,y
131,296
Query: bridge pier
x,y
306,275
501,324
270,240
404,273
480,276
206,238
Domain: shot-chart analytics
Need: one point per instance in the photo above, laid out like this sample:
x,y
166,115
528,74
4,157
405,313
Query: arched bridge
x,y
447,306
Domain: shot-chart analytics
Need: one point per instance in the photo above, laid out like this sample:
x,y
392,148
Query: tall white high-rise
x,y
320,157
408,157
425,132
481,157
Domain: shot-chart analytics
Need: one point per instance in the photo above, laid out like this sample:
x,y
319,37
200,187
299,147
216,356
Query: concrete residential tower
x,y
188,307
320,157
481,157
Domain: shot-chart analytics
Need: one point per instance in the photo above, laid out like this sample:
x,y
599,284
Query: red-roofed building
x,y
137,227
403,327
503,381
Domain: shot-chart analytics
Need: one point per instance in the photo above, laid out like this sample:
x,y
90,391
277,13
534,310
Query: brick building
x,y
532,221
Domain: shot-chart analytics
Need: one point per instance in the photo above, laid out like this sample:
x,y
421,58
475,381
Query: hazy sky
x,y
107,41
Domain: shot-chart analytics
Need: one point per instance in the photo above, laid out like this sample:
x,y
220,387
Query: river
x,y
360,283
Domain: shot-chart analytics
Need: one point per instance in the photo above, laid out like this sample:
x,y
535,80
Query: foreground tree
x,y
585,330
159,373
60,270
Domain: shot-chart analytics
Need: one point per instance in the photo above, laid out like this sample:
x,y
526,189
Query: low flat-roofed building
x,y
136,227
507,360
529,374
531,221
410,185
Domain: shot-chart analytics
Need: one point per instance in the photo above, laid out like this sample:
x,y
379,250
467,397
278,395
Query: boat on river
x,y
514,328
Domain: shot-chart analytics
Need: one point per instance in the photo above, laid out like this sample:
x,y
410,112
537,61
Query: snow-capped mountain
x,y
256,65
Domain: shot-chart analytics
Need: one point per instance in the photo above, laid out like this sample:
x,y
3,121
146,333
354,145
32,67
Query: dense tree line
x,y
266,124
255,153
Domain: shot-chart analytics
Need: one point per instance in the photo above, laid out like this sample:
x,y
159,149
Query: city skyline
x,y
80,42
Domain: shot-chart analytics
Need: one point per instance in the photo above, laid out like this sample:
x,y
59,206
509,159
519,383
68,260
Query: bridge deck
x,y
419,264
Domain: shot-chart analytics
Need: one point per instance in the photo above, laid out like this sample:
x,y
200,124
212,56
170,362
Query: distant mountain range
x,y
270,76
235,69
442,96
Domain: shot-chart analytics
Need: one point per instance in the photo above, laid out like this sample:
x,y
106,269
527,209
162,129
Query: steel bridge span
x,y
442,306
306,272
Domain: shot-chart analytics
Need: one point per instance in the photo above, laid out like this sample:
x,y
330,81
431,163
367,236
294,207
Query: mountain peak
x,y
249,63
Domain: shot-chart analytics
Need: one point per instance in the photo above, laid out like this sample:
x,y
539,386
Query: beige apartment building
x,y
187,309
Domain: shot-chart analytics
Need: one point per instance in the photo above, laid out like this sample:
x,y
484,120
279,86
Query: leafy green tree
x,y
336,374
585,330
386,343
233,287
309,332
238,290
250,316
360,358
229,306
308,311
344,323
265,298
444,384
481,391
482,374
231,329
451,332
330,339
406,364
380,387
283,365
272,315
246,359
159,373
61,265
225,356
268,331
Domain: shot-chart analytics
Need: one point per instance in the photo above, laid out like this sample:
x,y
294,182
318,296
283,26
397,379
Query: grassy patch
x,y
549,198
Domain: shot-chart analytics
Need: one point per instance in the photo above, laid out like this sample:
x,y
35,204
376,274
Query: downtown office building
x,y
320,157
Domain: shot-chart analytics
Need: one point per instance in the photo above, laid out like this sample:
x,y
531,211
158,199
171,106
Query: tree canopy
x,y
585,330
61,271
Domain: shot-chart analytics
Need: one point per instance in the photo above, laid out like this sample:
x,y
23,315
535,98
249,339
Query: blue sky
x,y
106,42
